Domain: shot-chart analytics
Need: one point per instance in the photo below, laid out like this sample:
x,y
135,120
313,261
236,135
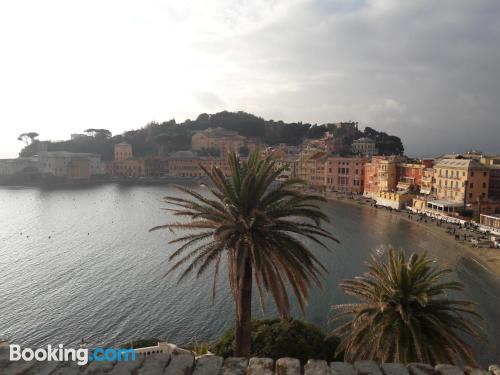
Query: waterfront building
x,y
312,169
458,184
123,151
491,221
410,175
78,169
364,146
304,155
396,200
460,180
426,184
380,174
125,165
344,174
493,164
220,139
58,163
189,164
11,167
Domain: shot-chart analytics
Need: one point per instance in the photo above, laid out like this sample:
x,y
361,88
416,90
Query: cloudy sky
x,y
426,70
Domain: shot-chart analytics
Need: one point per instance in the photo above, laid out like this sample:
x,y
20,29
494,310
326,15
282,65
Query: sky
x,y
425,70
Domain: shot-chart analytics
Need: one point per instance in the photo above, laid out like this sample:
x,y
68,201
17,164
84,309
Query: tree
x,y
101,133
27,137
257,225
406,314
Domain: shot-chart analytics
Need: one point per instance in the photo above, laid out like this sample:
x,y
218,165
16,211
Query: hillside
x,y
169,136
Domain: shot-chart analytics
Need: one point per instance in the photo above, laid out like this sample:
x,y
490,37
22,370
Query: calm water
x,y
80,263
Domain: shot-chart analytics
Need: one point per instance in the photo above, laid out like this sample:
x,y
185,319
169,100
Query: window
x,y
472,173
470,195
471,185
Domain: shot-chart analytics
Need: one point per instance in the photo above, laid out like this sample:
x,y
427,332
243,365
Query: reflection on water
x,y
81,263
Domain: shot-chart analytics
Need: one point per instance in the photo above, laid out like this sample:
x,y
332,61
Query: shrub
x,y
276,338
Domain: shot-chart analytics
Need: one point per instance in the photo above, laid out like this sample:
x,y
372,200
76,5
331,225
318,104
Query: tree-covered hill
x,y
169,136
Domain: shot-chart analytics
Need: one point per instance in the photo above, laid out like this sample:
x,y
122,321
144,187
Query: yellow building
x,y
125,165
123,151
129,168
220,139
303,169
387,175
396,200
460,179
311,167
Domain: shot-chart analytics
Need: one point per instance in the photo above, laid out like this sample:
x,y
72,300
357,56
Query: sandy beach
x,y
488,258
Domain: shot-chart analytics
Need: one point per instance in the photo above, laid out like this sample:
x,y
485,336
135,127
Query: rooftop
x,y
459,163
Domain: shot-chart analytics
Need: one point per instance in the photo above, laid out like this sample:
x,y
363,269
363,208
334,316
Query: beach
x,y
488,258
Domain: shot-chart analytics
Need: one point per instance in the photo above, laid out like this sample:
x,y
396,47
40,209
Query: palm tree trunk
x,y
244,320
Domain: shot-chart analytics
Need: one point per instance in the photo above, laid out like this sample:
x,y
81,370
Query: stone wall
x,y
183,362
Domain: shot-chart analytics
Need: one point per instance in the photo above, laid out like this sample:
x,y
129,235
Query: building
x,y
460,179
124,164
380,174
303,157
426,184
289,168
459,183
220,139
490,221
189,164
364,146
78,169
395,200
123,151
493,164
312,169
410,175
344,174
63,164
11,167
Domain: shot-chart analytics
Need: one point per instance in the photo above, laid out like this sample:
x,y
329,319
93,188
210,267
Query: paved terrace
x,y
183,362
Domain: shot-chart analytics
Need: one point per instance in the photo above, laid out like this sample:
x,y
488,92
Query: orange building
x,y
380,174
78,169
410,175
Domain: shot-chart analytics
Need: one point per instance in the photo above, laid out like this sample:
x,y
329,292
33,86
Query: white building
x,y
364,146
10,167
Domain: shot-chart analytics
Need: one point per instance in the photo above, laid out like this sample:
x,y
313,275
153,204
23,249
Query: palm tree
x,y
406,314
256,224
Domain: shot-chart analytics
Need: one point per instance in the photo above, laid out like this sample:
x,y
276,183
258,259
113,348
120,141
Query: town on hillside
x,y
461,187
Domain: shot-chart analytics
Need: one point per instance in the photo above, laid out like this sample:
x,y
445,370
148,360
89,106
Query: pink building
x,y
345,174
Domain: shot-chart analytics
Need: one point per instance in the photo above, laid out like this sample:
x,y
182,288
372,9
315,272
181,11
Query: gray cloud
x,y
426,70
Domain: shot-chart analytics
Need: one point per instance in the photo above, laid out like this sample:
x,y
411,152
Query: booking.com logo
x,y
81,356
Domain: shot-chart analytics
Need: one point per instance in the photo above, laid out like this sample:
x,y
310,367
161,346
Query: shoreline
x,y
487,258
